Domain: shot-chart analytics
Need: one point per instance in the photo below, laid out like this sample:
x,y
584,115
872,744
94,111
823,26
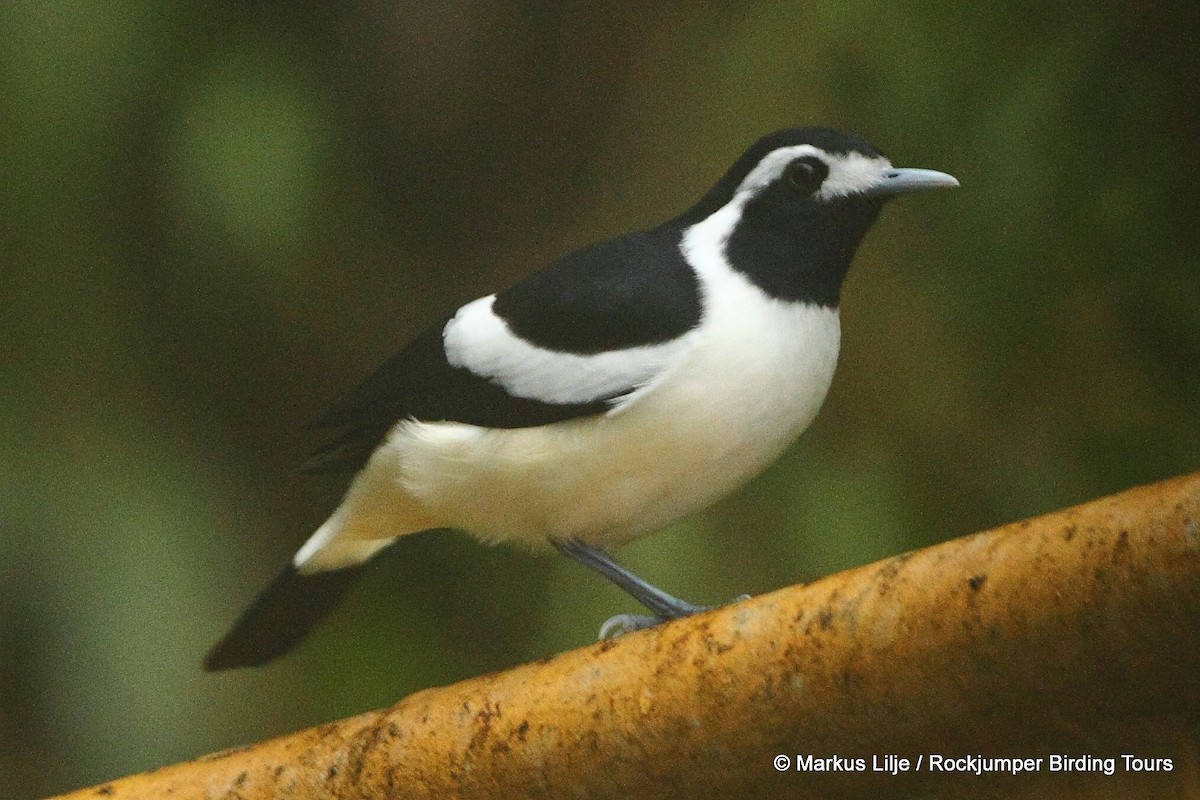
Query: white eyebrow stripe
x,y
773,164
849,173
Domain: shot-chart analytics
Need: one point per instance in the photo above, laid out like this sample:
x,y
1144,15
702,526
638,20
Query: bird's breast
x,y
752,381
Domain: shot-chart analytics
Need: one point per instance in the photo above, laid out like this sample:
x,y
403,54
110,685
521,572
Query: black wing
x,y
633,290
621,293
419,383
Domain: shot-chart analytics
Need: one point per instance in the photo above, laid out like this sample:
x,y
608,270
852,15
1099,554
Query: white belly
x,y
753,378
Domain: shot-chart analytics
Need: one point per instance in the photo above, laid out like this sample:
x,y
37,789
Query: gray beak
x,y
901,180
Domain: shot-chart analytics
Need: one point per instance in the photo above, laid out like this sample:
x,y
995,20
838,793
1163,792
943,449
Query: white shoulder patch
x,y
480,341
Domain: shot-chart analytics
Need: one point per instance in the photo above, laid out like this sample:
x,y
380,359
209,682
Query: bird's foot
x,y
622,624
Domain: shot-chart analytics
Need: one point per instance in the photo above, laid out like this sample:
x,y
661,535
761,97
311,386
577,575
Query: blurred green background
x,y
216,217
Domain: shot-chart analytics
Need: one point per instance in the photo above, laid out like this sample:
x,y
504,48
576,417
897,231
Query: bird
x,y
627,384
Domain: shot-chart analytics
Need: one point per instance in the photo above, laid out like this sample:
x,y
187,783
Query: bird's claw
x,y
622,624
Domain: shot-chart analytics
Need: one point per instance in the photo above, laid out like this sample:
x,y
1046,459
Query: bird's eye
x,y
806,174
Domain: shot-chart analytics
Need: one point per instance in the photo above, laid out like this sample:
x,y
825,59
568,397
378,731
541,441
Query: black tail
x,y
279,617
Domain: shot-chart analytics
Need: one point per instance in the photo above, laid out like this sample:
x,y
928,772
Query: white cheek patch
x,y
849,173
480,341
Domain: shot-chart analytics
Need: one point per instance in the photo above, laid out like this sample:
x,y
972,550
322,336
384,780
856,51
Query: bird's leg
x,y
665,606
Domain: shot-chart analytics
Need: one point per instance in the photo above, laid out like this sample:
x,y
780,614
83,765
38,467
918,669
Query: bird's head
x,y
793,209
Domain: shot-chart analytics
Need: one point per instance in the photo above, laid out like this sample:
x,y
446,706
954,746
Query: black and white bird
x,y
628,384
